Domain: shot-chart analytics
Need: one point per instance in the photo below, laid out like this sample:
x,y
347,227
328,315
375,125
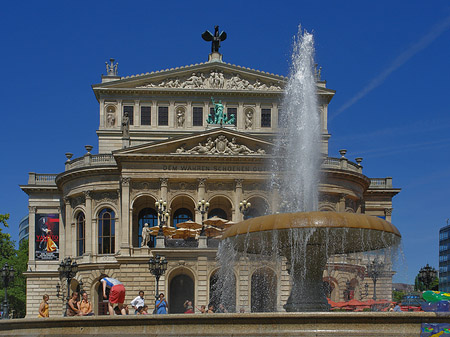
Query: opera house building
x,y
159,153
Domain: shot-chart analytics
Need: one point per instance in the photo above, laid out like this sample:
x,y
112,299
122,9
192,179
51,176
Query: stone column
x,y
257,117
243,293
240,121
136,113
188,115
154,114
202,281
238,216
164,182
67,229
200,195
32,233
119,113
89,234
124,242
275,197
172,114
102,113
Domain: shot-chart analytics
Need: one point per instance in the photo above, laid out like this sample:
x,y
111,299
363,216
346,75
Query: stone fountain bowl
x,y
307,239
336,233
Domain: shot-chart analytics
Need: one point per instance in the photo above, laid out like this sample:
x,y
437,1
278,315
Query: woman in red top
x,y
188,306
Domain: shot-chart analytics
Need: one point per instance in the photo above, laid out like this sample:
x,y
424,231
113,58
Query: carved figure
x,y
218,113
126,126
180,118
110,119
200,149
111,69
145,235
216,38
238,148
248,119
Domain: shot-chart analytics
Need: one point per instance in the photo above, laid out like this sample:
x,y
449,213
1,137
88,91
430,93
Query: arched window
x,y
81,233
106,231
181,215
147,215
217,212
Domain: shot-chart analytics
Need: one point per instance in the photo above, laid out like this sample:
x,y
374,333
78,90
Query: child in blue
x,y
161,305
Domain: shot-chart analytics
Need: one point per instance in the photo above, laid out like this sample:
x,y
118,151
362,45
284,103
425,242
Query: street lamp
x,y
157,267
427,275
68,269
203,207
374,271
244,205
7,277
163,215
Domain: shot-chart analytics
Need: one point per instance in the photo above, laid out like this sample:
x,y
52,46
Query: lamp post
x,y
7,277
157,267
374,271
67,269
244,205
203,207
163,215
427,275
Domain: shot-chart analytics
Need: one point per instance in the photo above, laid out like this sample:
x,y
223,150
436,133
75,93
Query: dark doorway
x,y
102,303
264,291
181,289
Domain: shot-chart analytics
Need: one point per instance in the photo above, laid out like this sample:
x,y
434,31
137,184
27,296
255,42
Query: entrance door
x,y
181,289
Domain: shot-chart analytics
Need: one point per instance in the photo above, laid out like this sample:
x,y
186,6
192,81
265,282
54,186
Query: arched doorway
x,y
222,289
102,308
264,290
183,209
221,207
258,207
181,289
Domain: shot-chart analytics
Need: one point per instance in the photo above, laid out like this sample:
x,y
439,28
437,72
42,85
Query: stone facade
x,y
166,150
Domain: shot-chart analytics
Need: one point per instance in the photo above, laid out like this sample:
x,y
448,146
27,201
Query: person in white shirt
x,y
138,302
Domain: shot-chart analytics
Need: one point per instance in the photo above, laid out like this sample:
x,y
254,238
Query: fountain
x,y
305,237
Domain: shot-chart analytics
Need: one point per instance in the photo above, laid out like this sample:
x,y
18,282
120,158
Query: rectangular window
x,y
163,115
266,118
129,109
232,114
197,116
146,118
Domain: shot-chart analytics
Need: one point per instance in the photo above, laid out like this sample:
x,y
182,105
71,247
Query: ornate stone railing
x,y
341,163
381,182
90,160
41,179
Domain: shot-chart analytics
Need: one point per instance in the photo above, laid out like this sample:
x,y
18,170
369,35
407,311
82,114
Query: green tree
x,y
397,295
420,286
18,260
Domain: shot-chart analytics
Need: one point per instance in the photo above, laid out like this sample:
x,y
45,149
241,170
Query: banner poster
x,y
47,237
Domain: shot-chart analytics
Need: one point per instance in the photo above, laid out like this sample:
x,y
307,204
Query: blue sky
x,y
387,60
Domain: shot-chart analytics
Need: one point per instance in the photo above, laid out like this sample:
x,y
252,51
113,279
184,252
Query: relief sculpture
x,y
220,145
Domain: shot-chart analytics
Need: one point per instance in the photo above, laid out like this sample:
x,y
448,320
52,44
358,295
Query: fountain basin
x,y
307,239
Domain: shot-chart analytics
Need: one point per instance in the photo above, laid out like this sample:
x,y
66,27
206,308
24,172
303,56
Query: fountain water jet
x,y
305,237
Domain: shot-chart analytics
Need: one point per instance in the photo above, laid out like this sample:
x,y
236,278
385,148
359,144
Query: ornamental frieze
x,y
145,185
76,201
101,197
182,186
219,186
261,186
220,145
214,80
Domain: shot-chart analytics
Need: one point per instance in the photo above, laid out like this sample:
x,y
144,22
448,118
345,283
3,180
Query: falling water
x,y
299,141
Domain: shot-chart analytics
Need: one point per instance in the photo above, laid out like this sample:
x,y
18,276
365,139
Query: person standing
x,y
43,307
85,306
116,294
161,305
188,308
138,302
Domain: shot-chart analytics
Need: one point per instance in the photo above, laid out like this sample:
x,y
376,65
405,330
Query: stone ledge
x,y
261,324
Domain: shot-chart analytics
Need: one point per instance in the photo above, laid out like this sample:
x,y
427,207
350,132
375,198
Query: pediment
x,y
206,76
216,142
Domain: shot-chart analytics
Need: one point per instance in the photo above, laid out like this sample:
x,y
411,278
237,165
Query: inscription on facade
x,y
216,168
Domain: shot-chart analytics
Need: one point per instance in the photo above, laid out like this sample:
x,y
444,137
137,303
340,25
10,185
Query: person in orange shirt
x,y
85,306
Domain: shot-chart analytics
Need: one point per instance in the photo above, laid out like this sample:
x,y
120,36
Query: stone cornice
x,y
84,172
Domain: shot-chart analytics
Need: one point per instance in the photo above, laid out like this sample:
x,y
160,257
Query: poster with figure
x,y
47,237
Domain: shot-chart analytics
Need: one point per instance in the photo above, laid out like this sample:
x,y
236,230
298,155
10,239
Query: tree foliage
x,y
17,258
420,286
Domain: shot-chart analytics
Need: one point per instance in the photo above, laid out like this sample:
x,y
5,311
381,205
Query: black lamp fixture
x,y
157,266
163,215
7,278
67,269
427,275
374,271
244,205
203,207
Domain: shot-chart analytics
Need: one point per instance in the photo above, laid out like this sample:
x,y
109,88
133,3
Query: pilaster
x,y
32,233
89,234
125,215
238,216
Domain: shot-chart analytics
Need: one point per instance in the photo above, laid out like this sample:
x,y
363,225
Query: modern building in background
x,y
444,258
154,142
23,229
